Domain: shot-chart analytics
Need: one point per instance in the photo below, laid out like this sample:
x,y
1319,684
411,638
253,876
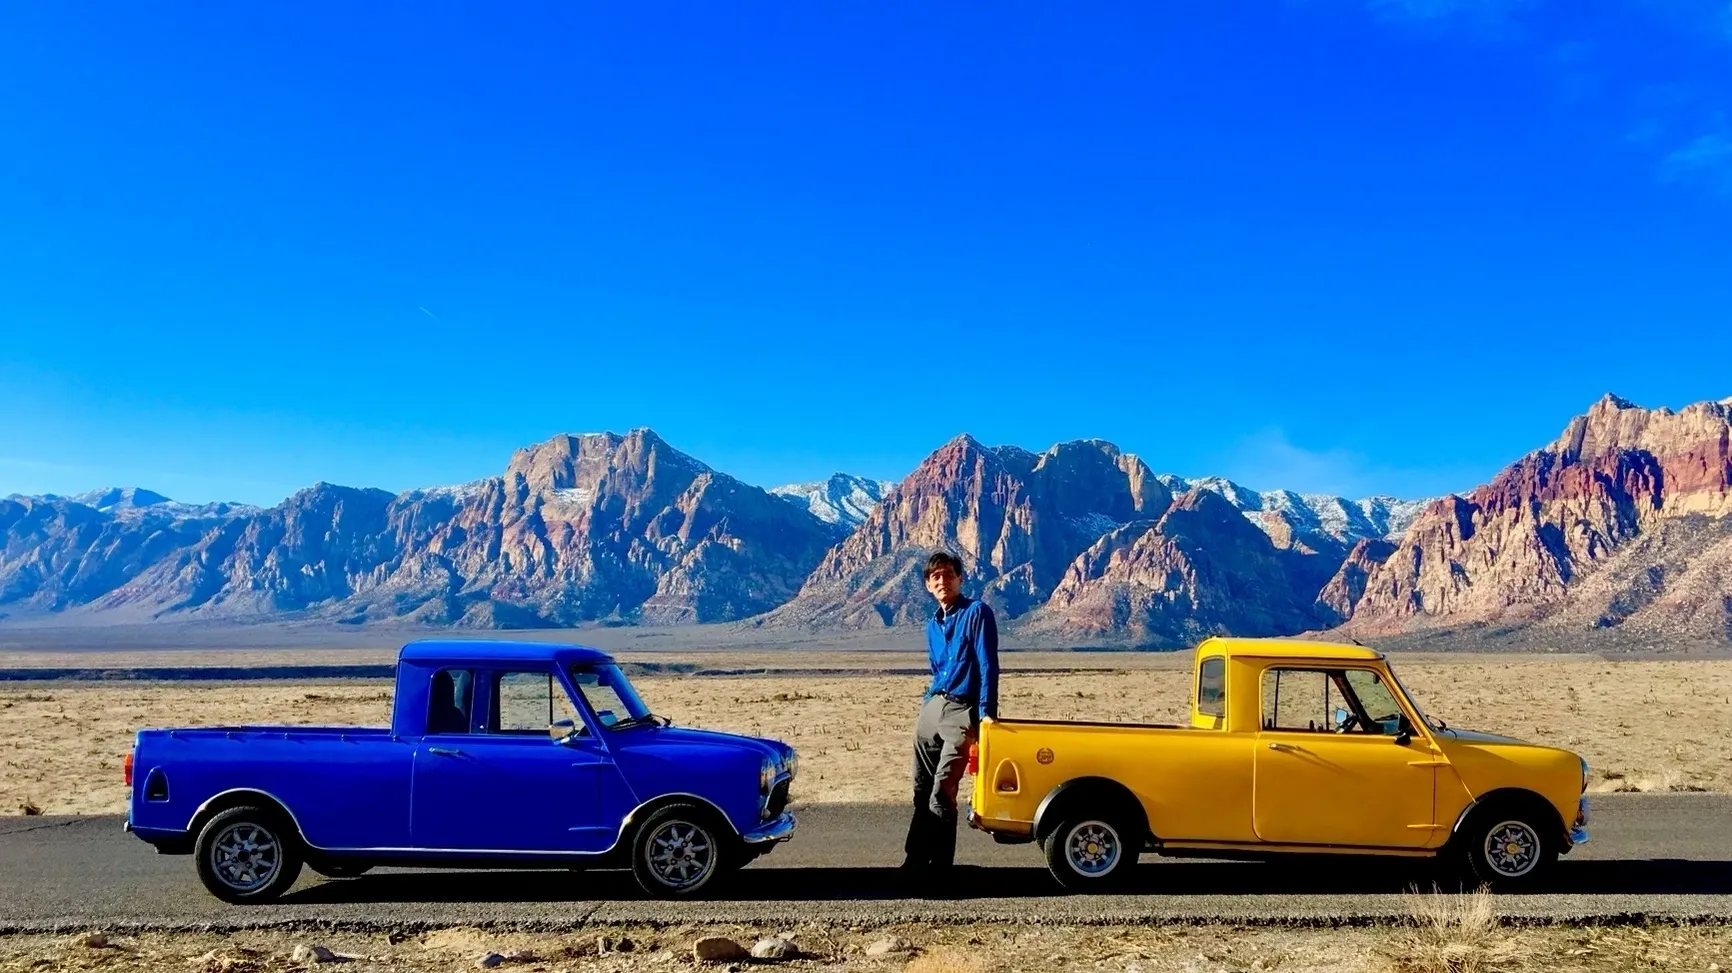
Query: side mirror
x,y
1404,735
562,730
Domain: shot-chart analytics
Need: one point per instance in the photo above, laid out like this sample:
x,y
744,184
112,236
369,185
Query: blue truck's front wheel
x,y
247,855
679,851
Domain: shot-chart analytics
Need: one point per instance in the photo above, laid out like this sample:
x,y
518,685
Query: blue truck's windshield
x,y
610,694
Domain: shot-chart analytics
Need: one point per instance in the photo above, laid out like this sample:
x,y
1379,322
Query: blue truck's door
x,y
501,784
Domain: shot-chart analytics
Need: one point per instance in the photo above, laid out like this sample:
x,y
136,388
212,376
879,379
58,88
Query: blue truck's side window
x,y
451,701
529,703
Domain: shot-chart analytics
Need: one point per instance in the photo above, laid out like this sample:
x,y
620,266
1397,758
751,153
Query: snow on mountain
x,y
844,500
457,493
1341,518
137,503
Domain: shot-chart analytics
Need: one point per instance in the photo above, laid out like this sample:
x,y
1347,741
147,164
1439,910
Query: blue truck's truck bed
x,y
499,754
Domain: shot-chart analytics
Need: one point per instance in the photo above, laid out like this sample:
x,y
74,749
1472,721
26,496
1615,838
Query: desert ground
x,y
1443,934
1642,725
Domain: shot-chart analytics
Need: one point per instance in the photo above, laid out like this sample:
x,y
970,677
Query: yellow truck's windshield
x,y
1412,699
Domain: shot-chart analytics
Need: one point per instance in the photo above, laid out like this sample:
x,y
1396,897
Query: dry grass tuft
x,y
1450,933
29,808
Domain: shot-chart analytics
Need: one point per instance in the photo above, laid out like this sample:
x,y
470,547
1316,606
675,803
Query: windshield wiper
x,y
648,719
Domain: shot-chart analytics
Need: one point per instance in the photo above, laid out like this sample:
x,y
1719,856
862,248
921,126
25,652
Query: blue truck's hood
x,y
679,736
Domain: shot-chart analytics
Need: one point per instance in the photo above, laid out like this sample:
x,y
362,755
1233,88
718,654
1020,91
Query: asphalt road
x,y
1651,856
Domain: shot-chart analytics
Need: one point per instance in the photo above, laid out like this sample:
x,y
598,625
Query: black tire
x,y
246,855
1505,847
680,850
1093,852
339,868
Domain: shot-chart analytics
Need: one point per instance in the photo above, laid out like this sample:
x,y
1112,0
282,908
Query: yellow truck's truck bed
x,y
1292,747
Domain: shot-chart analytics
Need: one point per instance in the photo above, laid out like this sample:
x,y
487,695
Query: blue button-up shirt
x,y
962,643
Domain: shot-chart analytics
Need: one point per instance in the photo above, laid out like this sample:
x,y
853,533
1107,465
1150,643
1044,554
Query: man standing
x,y
962,643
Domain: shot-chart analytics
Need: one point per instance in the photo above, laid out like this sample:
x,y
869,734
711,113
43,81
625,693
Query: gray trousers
x,y
942,734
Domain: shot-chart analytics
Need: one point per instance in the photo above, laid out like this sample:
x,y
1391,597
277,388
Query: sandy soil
x,y
1454,935
1642,725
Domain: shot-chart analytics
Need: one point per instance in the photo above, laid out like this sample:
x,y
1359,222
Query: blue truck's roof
x,y
499,650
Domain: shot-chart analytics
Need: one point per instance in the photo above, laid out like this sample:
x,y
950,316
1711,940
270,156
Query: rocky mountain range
x,y
1084,543
1617,527
599,527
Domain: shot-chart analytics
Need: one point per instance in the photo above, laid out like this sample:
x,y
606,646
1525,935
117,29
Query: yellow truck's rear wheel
x,y
1092,852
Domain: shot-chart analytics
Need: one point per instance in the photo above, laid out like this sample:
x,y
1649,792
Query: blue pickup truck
x,y
499,754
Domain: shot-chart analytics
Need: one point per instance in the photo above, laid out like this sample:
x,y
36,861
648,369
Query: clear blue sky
x,y
1320,244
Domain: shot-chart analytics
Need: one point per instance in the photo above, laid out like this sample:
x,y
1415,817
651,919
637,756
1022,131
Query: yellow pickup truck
x,y
1293,747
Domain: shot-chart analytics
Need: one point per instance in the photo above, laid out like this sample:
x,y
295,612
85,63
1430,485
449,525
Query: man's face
x,y
944,584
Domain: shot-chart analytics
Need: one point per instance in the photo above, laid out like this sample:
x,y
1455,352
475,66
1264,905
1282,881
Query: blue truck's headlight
x,y
766,775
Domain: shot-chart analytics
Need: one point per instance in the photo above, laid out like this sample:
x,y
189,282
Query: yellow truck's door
x,y
1330,767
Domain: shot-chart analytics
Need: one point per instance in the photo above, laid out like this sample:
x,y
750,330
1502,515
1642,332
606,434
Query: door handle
x,y
447,751
1287,747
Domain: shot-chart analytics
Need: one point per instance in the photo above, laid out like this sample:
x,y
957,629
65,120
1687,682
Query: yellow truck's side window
x,y
1212,687
1302,700
1329,701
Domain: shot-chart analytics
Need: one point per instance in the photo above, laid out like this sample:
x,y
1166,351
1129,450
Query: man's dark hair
x,y
942,559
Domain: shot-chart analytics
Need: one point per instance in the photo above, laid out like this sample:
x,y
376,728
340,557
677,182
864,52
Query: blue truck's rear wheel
x,y
248,854
679,851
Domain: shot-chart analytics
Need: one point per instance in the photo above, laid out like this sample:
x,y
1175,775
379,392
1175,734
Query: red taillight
x,y
129,769
974,758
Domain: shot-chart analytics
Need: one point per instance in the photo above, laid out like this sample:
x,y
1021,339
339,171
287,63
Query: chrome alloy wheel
x,y
1092,848
680,854
1512,849
245,856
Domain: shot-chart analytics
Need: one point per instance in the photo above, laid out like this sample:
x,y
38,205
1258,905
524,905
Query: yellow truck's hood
x,y
1488,761
1474,736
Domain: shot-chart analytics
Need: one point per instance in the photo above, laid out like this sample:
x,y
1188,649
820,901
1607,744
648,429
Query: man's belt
x,y
959,700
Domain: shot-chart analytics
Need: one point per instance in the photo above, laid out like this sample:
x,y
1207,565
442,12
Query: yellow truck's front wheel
x,y
1507,845
1092,852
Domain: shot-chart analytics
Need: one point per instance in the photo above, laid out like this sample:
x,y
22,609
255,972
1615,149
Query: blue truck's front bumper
x,y
779,828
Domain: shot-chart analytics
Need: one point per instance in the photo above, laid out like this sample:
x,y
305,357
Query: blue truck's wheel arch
x,y
628,826
1089,792
241,797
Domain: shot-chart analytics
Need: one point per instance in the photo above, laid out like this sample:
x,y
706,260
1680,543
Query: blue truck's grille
x,y
778,800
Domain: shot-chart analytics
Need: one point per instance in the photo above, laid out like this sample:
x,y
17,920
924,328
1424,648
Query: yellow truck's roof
x,y
1283,648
